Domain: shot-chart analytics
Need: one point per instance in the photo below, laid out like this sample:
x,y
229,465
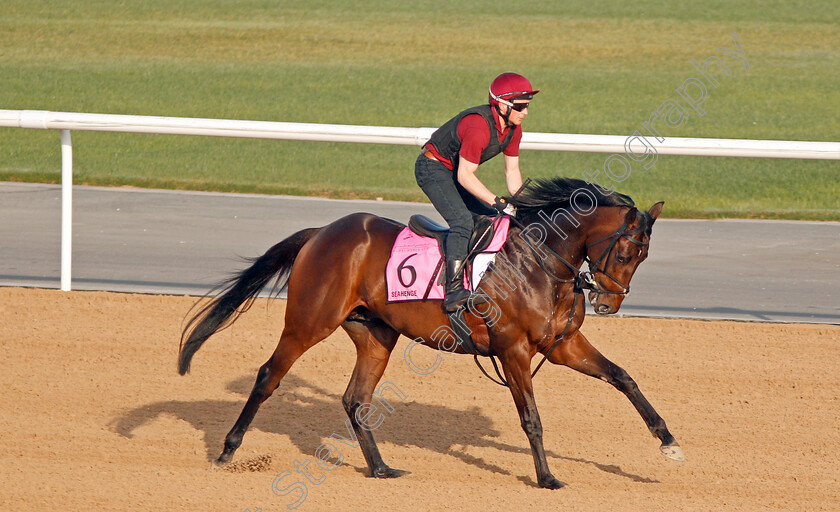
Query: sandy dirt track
x,y
95,417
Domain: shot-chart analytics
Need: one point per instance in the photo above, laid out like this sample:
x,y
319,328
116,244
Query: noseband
x,y
596,268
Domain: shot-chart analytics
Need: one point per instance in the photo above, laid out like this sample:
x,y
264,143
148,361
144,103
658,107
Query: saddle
x,y
480,239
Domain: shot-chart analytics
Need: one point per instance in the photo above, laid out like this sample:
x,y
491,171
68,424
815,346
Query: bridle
x,y
595,267
586,280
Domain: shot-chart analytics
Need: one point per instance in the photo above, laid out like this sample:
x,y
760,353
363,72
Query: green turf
x,y
604,67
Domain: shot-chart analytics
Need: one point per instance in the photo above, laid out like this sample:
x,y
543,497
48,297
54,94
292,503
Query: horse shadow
x,y
307,414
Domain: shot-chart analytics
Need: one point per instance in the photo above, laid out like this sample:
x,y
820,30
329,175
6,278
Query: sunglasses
x,y
519,107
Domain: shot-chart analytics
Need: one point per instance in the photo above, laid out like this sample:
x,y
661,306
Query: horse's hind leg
x,y
374,342
577,353
291,346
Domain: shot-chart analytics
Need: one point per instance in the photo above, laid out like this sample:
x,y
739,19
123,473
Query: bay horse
x,y
335,279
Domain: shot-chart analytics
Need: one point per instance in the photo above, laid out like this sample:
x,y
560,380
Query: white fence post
x,y
66,208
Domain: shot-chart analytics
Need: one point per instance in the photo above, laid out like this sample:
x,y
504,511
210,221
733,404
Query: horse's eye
x,y
622,259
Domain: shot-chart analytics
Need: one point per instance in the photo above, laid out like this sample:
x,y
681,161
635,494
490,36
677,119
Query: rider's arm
x,y
513,176
468,180
474,135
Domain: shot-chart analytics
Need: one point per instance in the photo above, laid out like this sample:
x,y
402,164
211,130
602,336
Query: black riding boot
x,y
455,294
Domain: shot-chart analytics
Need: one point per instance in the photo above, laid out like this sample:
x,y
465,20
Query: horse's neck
x,y
567,237
562,239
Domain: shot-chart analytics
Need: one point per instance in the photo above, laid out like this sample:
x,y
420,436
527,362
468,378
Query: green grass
x,y
603,67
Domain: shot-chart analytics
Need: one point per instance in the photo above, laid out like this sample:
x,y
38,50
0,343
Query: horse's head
x,y
614,251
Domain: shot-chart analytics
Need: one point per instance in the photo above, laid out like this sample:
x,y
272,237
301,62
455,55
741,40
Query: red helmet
x,y
510,86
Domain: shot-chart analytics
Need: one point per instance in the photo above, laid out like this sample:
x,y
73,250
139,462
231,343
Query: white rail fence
x,y
645,147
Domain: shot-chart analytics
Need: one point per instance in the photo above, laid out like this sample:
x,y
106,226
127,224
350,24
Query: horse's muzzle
x,y
600,309
603,309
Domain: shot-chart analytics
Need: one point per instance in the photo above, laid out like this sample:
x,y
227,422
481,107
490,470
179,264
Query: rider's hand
x,y
504,207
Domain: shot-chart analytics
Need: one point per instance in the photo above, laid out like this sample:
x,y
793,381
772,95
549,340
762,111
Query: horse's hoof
x,y
223,459
387,472
673,451
551,483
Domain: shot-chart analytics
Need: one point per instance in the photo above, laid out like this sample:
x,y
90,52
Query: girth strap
x,y
462,333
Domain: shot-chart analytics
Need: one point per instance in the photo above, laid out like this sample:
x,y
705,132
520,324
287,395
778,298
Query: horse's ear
x,y
656,209
630,216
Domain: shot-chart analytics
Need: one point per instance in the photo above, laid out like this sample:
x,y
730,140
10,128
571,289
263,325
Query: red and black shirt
x,y
476,134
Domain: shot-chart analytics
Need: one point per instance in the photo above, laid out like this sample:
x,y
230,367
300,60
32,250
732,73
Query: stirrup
x,y
475,299
455,300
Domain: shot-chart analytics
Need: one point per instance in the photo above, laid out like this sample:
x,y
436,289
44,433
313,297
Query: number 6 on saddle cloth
x,y
415,267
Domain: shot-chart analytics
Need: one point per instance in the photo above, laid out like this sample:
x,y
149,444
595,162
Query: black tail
x,y
238,294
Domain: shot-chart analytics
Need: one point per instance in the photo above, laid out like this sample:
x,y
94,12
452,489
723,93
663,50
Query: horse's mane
x,y
547,195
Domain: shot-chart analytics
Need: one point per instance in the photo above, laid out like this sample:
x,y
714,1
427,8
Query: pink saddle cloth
x,y
414,269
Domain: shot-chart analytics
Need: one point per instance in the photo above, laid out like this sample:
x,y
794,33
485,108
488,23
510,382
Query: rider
x,y
446,167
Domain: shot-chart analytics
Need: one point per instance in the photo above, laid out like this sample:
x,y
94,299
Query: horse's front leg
x,y
516,365
577,353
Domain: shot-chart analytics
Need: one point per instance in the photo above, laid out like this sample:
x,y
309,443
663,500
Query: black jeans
x,y
452,201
